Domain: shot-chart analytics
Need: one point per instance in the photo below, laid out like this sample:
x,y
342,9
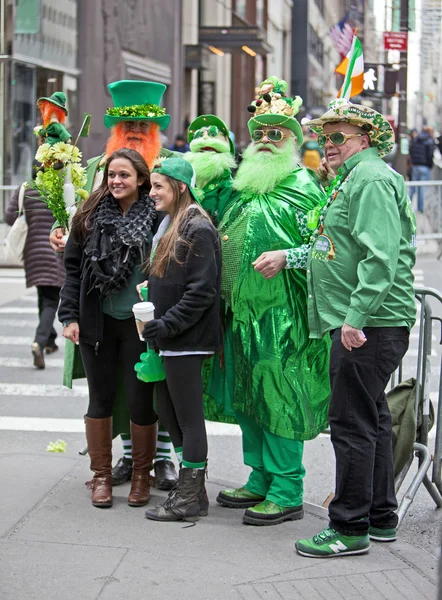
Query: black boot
x,y
122,471
183,503
165,474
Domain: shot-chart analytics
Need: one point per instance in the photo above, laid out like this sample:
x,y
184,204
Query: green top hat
x,y
136,101
181,170
57,98
272,107
207,121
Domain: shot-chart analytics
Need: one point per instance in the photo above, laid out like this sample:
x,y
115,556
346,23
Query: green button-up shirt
x,y
360,267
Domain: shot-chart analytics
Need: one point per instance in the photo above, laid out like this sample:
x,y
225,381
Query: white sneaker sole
x,y
346,553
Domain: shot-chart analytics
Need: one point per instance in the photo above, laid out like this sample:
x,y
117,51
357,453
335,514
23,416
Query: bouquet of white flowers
x,y
60,179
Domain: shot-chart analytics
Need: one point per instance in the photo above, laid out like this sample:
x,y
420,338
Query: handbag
x,y
16,239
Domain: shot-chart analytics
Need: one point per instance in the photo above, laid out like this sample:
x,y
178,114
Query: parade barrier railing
x,y
6,192
422,401
428,223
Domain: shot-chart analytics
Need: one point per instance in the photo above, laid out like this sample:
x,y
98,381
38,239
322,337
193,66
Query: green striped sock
x,y
179,454
164,445
127,445
190,465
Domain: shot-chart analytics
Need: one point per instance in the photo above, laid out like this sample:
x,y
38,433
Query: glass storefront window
x,y
23,122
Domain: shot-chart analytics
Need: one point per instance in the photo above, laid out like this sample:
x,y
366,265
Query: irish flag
x,y
353,68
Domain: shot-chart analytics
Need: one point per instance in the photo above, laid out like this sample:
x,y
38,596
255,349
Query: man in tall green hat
x,y
280,377
135,121
212,155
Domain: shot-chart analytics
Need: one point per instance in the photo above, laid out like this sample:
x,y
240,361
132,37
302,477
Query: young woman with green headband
x,y
184,286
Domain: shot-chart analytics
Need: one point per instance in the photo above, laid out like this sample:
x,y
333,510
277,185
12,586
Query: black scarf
x,y
116,243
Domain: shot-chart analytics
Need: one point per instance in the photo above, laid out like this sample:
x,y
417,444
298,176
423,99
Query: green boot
x,y
238,498
269,513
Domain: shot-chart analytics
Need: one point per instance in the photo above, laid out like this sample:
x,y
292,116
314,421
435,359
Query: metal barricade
x,y
429,221
423,397
6,192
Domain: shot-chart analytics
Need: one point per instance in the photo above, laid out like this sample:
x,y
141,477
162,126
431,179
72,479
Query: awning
x,y
233,39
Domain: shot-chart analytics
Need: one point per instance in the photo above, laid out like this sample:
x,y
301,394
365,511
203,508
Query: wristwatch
x,y
66,323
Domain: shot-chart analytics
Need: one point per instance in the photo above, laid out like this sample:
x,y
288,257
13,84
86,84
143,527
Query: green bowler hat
x,y
181,170
207,121
136,101
57,98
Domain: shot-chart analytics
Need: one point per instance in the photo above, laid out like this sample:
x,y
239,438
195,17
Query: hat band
x,y
273,124
147,111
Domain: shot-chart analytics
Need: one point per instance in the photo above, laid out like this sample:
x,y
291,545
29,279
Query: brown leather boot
x,y
99,441
144,441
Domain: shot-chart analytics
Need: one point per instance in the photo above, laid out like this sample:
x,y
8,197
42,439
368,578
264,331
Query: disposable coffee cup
x,y
143,312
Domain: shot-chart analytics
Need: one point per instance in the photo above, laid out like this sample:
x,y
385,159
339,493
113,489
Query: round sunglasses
x,y
337,138
212,131
273,135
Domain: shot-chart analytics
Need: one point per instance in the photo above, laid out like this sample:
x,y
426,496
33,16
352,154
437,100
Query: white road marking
x,y
77,425
27,362
19,310
6,340
18,323
41,389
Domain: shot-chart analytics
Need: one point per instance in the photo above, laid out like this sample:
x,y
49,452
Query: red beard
x,y
147,144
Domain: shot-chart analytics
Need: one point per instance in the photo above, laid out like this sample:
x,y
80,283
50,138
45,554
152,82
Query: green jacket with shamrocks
x,y
360,266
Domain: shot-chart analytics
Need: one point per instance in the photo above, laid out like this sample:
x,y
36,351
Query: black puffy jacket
x,y
421,150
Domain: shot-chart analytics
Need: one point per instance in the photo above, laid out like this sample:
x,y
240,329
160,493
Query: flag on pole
x,y
352,67
85,127
342,36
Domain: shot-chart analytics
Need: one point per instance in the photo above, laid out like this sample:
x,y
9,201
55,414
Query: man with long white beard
x,y
280,378
135,121
212,156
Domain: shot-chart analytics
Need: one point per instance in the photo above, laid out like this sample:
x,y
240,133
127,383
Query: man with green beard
x,y
280,377
212,157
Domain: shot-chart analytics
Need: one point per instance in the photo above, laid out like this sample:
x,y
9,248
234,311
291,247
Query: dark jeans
x,y
48,299
360,424
180,405
119,351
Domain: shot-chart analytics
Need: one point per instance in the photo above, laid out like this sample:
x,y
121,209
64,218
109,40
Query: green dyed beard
x,y
261,172
210,166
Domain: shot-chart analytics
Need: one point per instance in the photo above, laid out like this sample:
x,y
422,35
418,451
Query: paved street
x,y
55,545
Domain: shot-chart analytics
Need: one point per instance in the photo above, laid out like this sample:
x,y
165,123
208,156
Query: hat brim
x,y
53,102
163,122
378,129
277,120
207,121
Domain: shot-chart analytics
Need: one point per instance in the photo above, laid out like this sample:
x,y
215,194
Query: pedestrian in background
x,y
421,157
111,233
43,268
180,144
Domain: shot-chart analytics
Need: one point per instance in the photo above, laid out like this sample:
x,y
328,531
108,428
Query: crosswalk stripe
x,y
18,323
19,310
11,362
77,425
13,340
41,389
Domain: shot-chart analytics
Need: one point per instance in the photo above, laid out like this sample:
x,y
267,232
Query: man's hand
x,y
270,263
325,172
72,332
352,337
56,239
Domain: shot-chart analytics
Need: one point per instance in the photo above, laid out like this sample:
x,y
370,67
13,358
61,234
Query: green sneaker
x,y
269,513
330,543
382,535
239,498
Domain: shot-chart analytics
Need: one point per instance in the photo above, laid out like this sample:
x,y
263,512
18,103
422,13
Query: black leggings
x,y
117,354
180,405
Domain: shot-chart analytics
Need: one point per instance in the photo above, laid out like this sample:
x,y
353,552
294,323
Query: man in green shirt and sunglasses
x,y
360,290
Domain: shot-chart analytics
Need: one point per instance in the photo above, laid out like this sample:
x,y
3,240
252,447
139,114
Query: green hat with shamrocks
x,y
207,121
181,170
272,107
57,98
136,101
377,127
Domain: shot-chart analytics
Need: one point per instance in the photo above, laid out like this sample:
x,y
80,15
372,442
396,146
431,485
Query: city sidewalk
x,y
55,545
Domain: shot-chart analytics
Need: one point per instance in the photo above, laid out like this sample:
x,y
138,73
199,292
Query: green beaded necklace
x,y
316,216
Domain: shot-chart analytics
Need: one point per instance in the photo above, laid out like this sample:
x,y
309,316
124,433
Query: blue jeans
x,y
361,432
419,173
